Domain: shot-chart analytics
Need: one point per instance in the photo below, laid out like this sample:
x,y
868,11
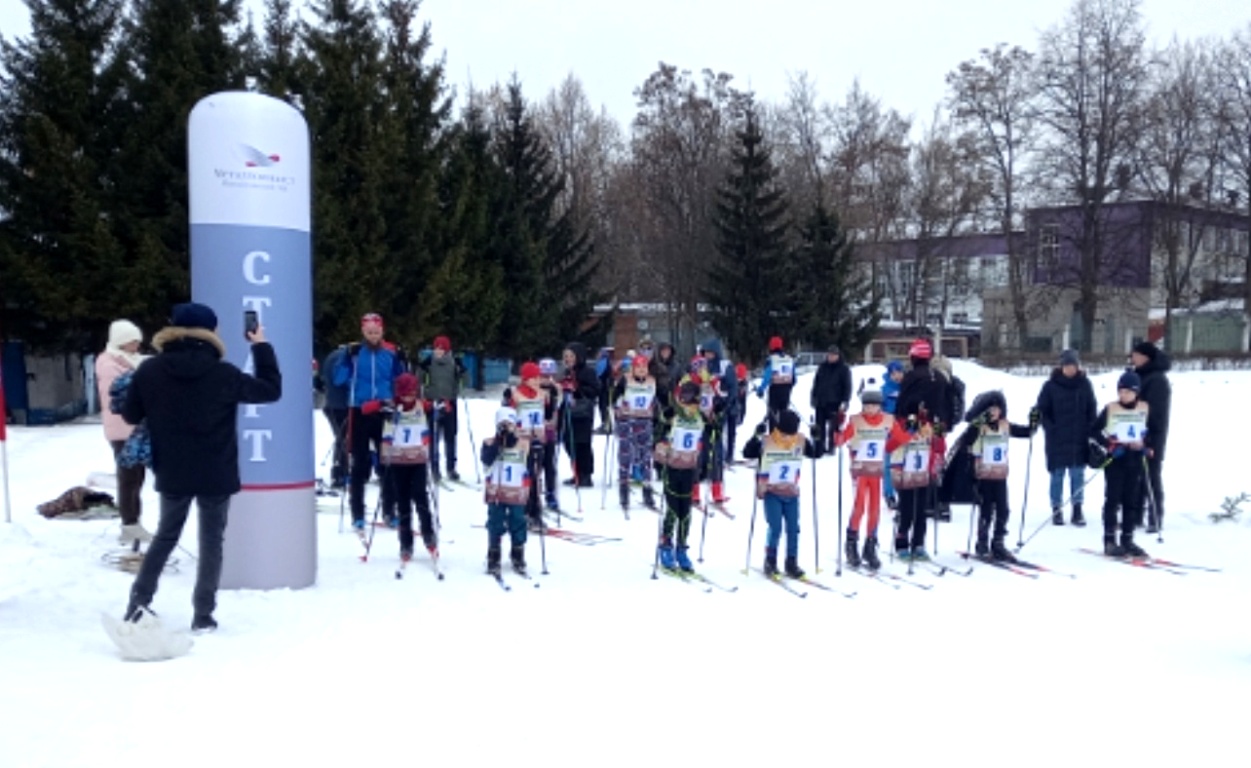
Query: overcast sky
x,y
899,49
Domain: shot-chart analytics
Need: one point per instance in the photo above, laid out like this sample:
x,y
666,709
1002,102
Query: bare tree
x,y
1091,77
869,164
1178,157
1234,73
992,97
679,147
801,146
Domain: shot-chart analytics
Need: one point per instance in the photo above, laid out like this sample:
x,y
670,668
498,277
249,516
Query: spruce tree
x,y
177,53
64,273
341,87
833,300
277,67
748,289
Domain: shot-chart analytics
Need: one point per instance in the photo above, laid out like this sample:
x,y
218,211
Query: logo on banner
x,y
254,158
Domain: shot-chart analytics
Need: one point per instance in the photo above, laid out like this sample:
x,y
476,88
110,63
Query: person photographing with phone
x,y
189,396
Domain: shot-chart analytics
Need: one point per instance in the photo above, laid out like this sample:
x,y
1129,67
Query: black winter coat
x,y
584,395
831,387
1157,393
190,398
924,386
1068,408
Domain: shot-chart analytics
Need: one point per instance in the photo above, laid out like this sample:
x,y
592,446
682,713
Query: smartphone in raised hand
x,y
250,323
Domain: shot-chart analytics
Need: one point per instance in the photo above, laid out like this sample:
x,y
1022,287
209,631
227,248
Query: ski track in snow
x,y
604,666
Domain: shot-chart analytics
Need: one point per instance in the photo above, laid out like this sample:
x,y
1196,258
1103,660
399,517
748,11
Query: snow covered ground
x,y
603,666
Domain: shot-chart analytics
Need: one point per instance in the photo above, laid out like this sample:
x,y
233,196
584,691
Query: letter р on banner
x,y
249,176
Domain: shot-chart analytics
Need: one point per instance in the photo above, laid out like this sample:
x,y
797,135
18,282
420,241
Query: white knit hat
x,y
122,332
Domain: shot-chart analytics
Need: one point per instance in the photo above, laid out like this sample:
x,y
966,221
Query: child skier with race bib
x,y
678,454
713,405
986,440
508,464
1121,428
406,451
779,379
634,400
865,435
781,454
533,405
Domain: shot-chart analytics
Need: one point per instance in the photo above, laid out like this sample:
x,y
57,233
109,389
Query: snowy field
x,y
601,665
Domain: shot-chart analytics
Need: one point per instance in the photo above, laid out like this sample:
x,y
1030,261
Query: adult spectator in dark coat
x,y
831,393
1152,366
668,371
580,388
190,398
1066,404
925,388
336,409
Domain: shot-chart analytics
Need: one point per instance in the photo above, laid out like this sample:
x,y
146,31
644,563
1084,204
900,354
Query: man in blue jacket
x,y
368,370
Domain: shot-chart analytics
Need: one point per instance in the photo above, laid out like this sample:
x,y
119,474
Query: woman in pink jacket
x,y
120,356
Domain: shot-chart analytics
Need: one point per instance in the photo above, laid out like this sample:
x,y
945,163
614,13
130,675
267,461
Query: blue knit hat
x,y
1129,380
192,315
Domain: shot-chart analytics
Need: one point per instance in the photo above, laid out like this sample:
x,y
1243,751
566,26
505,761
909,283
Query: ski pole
x,y
664,512
1153,512
1079,488
912,555
708,459
573,454
477,472
755,498
537,463
1020,542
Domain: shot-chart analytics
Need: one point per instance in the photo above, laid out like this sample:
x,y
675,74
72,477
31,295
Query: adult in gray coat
x,y
442,373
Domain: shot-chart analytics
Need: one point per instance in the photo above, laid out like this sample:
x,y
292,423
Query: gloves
x,y
386,408
912,423
567,384
1035,418
508,438
761,428
370,407
1115,449
939,429
760,394
507,397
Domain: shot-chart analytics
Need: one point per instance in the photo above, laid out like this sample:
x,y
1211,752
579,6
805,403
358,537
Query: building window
x,y
1049,245
960,318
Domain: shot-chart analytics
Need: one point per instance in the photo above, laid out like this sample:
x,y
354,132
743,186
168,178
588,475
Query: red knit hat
x,y
529,370
443,343
406,385
740,371
921,349
775,344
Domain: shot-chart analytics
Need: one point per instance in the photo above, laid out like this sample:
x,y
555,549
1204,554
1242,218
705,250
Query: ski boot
x,y
517,555
1078,520
1130,548
431,540
920,555
1057,516
406,554
982,548
649,497
718,494
771,562
453,475
851,550
550,501
684,560
871,560
1111,548
623,492
667,561
203,624
999,552
493,559
793,570
902,552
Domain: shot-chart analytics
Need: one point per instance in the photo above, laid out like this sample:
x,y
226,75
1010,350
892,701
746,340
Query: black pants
x,y
678,484
1122,491
826,418
129,484
549,469
366,431
993,508
910,523
338,424
580,453
445,428
534,502
409,489
174,509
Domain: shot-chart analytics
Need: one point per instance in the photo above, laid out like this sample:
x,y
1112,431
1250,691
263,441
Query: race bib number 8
x,y
995,452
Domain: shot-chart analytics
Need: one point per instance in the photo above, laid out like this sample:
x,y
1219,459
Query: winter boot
x,y
134,533
695,494
649,497
1057,516
870,553
771,562
792,568
551,502
623,492
851,550
517,555
203,624
1078,520
431,540
718,494
493,559
982,548
1111,548
684,560
1130,548
666,555
999,552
